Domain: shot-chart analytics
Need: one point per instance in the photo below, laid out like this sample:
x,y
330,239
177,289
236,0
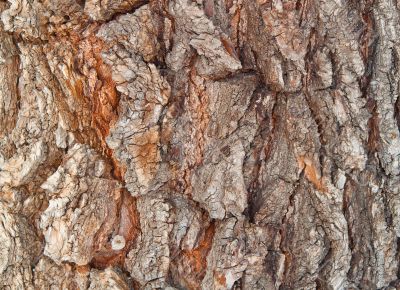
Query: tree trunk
x,y
209,144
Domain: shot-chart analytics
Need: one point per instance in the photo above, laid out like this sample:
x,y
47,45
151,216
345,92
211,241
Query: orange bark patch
x,y
311,172
101,94
198,256
220,278
76,88
104,98
127,226
229,47
82,269
89,81
195,261
199,101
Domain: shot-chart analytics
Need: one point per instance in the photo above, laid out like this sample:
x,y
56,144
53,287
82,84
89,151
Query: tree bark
x,y
209,144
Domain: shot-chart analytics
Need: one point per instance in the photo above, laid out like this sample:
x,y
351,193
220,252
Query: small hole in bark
x,y
226,151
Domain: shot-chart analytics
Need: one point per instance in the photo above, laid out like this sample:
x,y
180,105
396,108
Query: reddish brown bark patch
x,y
191,265
220,279
311,173
102,95
128,227
373,125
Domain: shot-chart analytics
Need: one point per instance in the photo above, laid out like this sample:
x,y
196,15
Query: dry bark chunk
x,y
82,208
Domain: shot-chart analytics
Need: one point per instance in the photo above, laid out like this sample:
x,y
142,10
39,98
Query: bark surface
x,y
209,144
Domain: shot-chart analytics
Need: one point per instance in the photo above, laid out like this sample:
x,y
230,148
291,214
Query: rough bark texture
x,y
209,144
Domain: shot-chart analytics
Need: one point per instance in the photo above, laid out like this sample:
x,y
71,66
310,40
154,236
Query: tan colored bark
x,y
199,144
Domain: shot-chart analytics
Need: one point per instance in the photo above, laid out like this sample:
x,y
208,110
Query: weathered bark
x,y
209,144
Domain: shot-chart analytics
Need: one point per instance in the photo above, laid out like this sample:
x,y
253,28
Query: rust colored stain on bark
x,y
105,102
311,173
199,255
90,82
97,99
199,101
229,47
220,278
103,96
129,223
85,269
127,227
196,259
